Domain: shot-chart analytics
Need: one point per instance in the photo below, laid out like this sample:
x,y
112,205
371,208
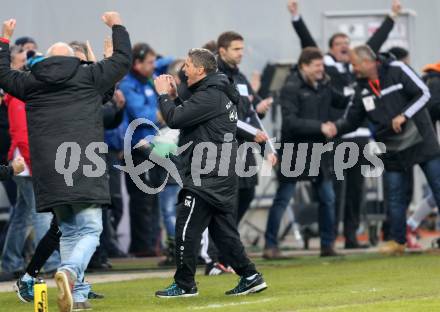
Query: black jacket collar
x,y
56,69
226,68
219,81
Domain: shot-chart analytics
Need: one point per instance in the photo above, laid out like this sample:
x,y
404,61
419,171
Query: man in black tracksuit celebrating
x,y
208,121
394,99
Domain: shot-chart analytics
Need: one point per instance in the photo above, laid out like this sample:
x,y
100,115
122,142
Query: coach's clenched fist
x,y
112,18
8,28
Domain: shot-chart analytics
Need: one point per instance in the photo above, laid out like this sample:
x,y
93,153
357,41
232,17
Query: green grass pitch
x,y
354,283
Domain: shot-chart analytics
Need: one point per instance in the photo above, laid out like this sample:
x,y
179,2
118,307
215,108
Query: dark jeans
x,y
144,216
245,197
326,218
11,191
349,196
396,183
116,206
194,215
23,215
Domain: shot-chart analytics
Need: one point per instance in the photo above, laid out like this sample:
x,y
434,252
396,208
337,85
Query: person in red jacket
x,y
24,213
18,131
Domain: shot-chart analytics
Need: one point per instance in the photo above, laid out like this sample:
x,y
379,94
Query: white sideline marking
x,y
222,305
368,291
363,304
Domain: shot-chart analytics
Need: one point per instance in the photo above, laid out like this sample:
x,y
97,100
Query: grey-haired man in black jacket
x,y
394,100
208,122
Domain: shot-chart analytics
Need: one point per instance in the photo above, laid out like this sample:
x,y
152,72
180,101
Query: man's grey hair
x,y
203,58
364,52
14,50
58,47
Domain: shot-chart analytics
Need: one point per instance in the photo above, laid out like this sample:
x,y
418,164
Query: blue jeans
x,y
396,185
23,216
167,202
81,226
326,218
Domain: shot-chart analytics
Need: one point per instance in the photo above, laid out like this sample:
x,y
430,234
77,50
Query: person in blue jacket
x,y
141,102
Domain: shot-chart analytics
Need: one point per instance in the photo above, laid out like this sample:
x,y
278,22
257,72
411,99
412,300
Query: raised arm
x,y
110,70
11,81
300,27
381,34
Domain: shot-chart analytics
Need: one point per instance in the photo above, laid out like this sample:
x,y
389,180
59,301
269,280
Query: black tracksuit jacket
x,y
304,108
247,114
402,92
206,117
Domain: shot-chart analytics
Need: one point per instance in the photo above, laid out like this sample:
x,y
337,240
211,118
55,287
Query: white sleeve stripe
x,y
421,102
391,89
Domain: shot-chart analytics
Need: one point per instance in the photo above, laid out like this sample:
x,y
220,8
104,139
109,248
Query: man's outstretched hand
x,y
329,130
111,19
8,28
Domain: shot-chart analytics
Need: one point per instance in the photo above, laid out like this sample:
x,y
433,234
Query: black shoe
x,y
329,252
356,245
436,243
25,290
174,291
117,253
246,286
93,295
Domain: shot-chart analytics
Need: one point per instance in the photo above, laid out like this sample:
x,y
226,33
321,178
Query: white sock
x,y
412,224
421,212
250,278
26,278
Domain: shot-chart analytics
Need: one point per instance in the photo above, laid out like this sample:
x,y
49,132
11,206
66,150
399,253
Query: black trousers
x,y
144,215
47,245
245,198
116,205
194,215
349,195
